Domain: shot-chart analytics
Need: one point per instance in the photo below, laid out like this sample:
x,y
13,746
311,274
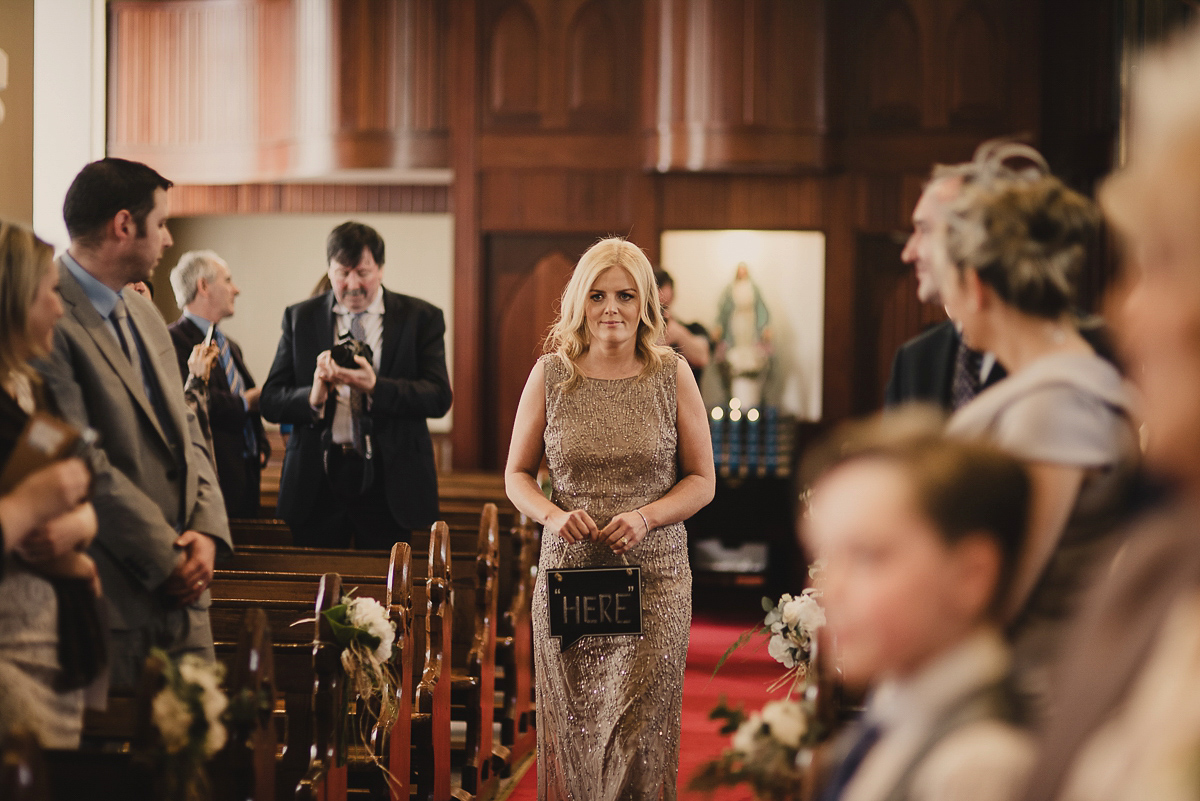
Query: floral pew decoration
x,y
366,633
193,719
772,749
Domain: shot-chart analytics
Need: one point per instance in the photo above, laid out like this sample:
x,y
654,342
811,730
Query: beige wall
x,y
277,258
16,132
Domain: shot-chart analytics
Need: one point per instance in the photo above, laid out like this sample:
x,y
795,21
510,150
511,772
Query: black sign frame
x,y
607,603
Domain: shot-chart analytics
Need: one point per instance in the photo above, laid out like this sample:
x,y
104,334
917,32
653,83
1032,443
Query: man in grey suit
x,y
161,515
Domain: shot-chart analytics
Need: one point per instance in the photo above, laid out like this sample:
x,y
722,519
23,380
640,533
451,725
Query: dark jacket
x,y
227,415
412,385
923,369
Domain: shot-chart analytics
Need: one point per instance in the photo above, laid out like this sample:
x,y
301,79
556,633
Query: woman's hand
x,y
41,497
624,532
66,534
201,361
574,526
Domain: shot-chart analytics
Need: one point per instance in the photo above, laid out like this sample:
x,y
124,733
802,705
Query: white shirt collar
x,y
375,307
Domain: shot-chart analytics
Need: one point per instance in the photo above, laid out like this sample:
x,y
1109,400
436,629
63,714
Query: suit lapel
x,y
83,312
327,325
145,317
393,328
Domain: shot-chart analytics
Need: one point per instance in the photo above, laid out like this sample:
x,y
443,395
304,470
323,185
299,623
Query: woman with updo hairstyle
x,y
51,639
621,424
1013,253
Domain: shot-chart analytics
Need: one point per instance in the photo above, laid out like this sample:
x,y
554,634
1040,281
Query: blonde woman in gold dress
x,y
621,423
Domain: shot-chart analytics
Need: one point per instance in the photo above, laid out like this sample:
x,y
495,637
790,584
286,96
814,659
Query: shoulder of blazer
x,y
941,335
309,309
186,330
397,303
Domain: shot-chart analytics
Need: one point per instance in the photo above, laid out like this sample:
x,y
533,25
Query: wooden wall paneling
x,y
600,81
192,199
894,67
513,57
840,310
739,85
275,86
525,315
178,93
743,201
246,91
525,276
557,200
977,50
469,335
927,80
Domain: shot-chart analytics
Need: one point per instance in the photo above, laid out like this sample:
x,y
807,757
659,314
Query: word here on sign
x,y
594,602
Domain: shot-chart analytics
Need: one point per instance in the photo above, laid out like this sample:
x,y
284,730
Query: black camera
x,y
343,353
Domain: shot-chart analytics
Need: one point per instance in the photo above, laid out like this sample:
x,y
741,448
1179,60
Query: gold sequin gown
x,y
608,709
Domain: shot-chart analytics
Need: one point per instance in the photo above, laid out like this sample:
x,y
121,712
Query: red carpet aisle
x,y
743,679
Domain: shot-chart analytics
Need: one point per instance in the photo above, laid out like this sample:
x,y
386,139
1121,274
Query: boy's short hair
x,y
963,487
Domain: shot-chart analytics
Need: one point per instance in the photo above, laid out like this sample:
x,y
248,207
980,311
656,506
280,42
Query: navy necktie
x,y
849,766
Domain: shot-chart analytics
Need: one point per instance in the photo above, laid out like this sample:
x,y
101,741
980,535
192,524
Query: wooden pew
x,y
431,702
280,571
325,778
514,645
243,769
474,675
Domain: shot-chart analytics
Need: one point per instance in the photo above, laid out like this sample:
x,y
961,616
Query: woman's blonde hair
x,y
569,337
1026,239
24,261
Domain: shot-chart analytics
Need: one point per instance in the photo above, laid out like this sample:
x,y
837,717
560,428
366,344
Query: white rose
x,y
172,719
743,738
809,614
792,610
781,651
786,721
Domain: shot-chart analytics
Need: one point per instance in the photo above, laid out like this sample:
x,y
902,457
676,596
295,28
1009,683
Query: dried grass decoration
x,y
366,633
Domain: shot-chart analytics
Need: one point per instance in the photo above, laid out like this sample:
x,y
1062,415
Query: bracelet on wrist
x,y
644,520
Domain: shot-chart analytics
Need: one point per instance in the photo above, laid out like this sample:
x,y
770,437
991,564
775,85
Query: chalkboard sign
x,y
594,602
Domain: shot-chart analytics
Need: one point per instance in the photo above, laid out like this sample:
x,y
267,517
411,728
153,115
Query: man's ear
x,y
978,560
123,226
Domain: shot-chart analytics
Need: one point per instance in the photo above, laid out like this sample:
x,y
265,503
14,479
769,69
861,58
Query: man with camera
x,y
357,372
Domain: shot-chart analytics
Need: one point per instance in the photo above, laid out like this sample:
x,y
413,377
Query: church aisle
x,y
742,680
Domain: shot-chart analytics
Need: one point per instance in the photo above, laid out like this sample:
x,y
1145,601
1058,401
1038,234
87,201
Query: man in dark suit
x,y
359,465
161,515
936,366
206,293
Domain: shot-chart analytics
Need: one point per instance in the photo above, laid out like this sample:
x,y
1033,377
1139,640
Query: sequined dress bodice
x,y
609,707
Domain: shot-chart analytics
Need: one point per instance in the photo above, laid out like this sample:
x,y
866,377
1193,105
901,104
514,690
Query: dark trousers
x,y
241,485
343,518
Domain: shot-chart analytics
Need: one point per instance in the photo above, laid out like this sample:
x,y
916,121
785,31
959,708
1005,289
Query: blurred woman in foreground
x,y
51,643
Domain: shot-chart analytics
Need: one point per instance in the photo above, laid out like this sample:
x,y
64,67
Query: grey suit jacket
x,y
149,484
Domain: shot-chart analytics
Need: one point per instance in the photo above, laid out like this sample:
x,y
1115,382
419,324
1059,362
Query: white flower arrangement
x,y
367,636
764,751
189,713
793,624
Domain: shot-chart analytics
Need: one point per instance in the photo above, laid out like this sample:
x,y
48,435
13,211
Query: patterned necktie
x,y
237,387
358,399
966,385
849,766
120,318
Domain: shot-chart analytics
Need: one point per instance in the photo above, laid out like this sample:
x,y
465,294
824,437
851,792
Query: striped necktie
x,y
237,387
